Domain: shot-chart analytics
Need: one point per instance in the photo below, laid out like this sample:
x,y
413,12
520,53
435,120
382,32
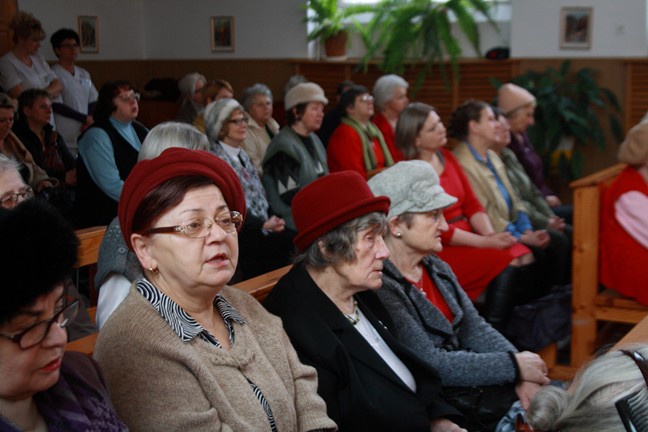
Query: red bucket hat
x,y
147,175
330,201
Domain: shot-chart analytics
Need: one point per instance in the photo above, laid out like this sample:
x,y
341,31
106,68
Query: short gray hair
x,y
249,93
187,84
385,88
172,134
7,163
589,404
337,244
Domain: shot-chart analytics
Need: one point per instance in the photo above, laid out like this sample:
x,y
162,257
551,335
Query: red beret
x,y
147,175
330,201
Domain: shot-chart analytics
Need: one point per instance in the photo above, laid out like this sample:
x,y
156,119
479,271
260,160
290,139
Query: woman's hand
x,y
525,391
538,238
501,240
556,223
445,425
553,200
274,224
532,368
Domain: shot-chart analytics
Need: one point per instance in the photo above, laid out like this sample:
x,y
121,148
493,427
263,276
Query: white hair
x,y
250,92
172,134
385,88
187,84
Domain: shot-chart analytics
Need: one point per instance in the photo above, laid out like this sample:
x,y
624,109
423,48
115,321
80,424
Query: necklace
x,y
354,318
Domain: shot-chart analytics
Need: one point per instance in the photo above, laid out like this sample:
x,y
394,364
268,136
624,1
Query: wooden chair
x,y
88,255
589,305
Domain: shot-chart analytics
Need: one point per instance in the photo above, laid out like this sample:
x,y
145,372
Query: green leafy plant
x,y
402,30
570,103
330,19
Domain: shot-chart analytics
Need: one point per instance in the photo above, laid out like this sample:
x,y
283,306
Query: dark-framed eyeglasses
x,y
10,200
239,121
35,334
631,408
200,227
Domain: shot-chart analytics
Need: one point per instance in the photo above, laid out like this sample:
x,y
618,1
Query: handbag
x,y
482,406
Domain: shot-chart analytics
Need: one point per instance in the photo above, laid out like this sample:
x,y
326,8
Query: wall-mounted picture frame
x,y
222,33
576,28
88,33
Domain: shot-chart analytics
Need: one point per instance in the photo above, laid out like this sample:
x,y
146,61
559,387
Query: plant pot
x,y
335,46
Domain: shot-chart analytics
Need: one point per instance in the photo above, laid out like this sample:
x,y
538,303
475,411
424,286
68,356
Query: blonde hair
x,y
26,26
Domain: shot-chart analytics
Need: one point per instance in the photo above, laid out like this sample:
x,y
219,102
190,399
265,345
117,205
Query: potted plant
x,y
401,30
331,23
569,106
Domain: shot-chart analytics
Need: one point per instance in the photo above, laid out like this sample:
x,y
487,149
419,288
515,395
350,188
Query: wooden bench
x,y
88,255
589,304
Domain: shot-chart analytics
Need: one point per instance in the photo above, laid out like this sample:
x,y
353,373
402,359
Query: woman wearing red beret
x,y
184,351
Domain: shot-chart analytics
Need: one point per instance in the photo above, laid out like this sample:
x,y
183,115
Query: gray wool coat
x,y
466,352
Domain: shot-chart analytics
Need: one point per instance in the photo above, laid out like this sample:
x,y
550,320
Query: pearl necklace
x,y
354,318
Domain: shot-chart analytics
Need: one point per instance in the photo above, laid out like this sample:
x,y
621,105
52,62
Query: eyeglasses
x,y
10,200
631,409
129,97
36,333
201,227
240,121
367,98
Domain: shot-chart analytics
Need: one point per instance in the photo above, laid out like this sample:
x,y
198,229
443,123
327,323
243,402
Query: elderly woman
x,y
357,144
107,153
608,395
295,156
212,91
190,87
390,98
46,146
335,321
257,101
41,386
474,124
518,106
79,97
117,266
264,242
479,256
433,315
184,351
624,233
23,68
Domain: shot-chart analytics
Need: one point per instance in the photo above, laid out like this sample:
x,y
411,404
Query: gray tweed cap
x,y
412,186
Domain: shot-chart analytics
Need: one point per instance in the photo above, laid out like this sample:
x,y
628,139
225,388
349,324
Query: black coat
x,y
360,390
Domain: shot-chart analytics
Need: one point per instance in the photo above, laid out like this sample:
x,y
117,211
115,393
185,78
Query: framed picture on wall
x,y
89,33
222,33
576,28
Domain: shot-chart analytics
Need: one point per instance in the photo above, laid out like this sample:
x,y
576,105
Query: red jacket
x,y
344,151
389,134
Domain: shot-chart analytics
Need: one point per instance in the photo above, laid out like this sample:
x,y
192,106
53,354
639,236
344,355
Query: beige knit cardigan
x,y
159,383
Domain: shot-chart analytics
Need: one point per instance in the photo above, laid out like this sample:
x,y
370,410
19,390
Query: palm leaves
x,y
329,18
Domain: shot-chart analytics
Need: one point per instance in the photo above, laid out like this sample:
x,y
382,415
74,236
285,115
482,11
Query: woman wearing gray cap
x,y
295,156
432,313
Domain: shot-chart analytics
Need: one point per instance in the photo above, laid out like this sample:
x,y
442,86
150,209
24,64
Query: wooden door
x,y
8,9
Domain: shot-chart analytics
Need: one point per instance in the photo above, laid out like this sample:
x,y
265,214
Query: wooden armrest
x,y
261,285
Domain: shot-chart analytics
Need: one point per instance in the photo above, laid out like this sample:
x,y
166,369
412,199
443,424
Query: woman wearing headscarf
x,y
368,379
184,351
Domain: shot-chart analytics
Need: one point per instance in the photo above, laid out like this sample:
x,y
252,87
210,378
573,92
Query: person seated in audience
x,y
610,394
368,379
184,351
488,264
390,94
624,221
43,387
23,68
265,243
357,144
13,191
211,92
473,123
117,265
257,101
518,106
293,81
333,117
46,146
432,313
11,147
192,105
73,114
107,153
295,156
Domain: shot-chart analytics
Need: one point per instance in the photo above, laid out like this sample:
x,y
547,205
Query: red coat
x,y
624,261
344,151
389,134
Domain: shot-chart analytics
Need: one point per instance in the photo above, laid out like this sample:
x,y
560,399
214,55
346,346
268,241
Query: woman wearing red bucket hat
x,y
336,323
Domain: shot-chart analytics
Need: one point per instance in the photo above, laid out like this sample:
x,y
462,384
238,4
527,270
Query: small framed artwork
x,y
576,28
222,33
89,33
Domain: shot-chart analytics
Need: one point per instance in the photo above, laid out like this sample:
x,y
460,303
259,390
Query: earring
x,y
152,270
399,234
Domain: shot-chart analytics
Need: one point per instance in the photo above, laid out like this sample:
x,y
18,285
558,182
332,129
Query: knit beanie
x,y
511,97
